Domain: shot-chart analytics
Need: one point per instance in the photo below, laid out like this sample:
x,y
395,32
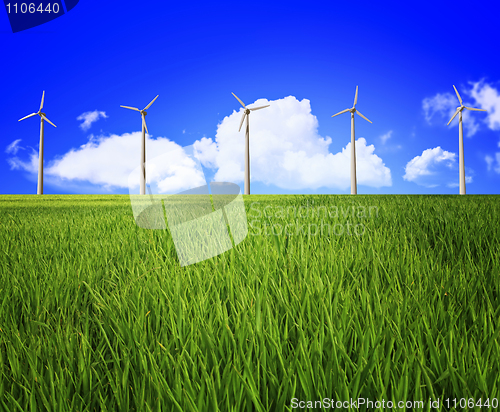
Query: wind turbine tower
x,y
353,110
39,190
143,113
246,113
461,139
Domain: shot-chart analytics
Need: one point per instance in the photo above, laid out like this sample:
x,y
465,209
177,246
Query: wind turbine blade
x,y
242,120
152,101
131,108
343,111
30,115
459,98
144,123
453,117
243,104
363,116
356,97
479,110
41,103
260,107
44,118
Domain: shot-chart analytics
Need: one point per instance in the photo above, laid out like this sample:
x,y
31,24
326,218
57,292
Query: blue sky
x,y
305,59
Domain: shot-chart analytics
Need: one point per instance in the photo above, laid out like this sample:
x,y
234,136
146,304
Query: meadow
x,y
328,298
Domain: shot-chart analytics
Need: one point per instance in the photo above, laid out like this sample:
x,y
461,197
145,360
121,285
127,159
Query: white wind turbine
x,y
353,110
246,113
461,139
143,143
39,190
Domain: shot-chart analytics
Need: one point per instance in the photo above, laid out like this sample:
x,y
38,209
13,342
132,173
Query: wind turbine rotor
x,y
260,107
152,101
243,104
30,115
355,97
458,110
45,118
459,98
343,111
144,124
357,111
41,103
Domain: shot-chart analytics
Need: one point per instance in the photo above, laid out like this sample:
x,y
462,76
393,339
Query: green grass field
x,y
399,302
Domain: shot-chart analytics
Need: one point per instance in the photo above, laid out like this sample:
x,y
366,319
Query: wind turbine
x,y
39,190
353,110
246,113
143,144
461,139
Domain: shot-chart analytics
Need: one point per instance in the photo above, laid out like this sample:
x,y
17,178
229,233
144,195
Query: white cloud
x,y
443,107
487,98
14,147
89,118
388,148
493,163
206,152
30,166
386,137
421,165
442,104
435,167
287,151
108,162
489,161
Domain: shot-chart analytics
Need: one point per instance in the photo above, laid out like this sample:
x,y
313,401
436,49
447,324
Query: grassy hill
x,y
329,298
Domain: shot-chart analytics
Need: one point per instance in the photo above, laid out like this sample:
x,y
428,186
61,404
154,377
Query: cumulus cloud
x,y
14,147
433,168
89,118
287,151
107,161
440,109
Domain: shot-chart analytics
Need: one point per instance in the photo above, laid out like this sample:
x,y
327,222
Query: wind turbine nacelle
x,y
144,112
